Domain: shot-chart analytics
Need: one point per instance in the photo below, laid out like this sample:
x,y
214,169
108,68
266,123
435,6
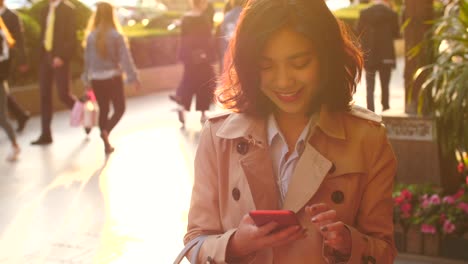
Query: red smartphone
x,y
284,218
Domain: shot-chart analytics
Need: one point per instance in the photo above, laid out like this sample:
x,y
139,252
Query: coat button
x,y
236,194
337,197
332,169
242,147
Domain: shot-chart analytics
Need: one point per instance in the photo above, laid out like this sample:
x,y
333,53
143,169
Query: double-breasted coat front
x,y
348,163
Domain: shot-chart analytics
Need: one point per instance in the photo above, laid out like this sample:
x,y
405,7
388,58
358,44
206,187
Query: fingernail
x,y
314,220
324,229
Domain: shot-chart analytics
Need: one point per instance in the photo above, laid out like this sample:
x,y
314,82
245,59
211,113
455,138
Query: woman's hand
x,y
249,238
334,232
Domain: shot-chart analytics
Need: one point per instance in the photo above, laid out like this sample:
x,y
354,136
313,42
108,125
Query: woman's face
x,y
289,71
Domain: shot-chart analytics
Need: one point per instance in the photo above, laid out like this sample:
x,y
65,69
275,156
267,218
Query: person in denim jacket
x,y
106,58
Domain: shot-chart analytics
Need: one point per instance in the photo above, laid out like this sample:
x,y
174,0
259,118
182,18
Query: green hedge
x,y
31,31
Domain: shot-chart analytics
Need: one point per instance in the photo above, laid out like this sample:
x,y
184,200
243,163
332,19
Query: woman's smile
x,y
290,96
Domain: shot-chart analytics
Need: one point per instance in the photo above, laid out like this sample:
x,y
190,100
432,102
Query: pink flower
x,y
428,229
459,194
448,200
460,167
406,209
463,206
443,217
435,199
466,180
425,201
399,200
406,194
448,227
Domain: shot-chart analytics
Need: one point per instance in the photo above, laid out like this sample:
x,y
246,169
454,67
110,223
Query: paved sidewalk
x,y
65,203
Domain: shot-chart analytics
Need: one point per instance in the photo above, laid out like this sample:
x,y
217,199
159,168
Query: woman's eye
x,y
300,63
265,66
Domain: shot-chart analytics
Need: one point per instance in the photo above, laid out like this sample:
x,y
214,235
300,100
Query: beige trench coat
x,y
347,164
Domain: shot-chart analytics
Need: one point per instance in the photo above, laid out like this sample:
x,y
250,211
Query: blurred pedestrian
x,y
209,12
292,141
227,28
17,57
106,57
196,51
6,42
378,28
57,46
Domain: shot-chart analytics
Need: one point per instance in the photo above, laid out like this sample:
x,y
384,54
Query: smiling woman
x,y
293,142
289,76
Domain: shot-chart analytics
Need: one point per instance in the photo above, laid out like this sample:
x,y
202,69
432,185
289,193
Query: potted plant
x,y
444,93
455,226
429,219
406,200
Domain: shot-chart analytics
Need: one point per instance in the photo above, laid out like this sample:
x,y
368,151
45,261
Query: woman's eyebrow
x,y
300,54
291,57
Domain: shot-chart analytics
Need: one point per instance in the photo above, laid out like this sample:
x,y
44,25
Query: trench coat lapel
x,y
314,164
310,171
256,164
258,170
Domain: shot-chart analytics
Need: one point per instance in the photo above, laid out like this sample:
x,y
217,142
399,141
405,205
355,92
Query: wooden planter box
x,y
414,241
455,247
431,244
399,237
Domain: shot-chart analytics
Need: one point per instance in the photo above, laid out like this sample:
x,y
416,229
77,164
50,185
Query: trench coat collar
x,y
305,180
240,125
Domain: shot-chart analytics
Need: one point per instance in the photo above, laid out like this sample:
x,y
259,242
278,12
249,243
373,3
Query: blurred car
x,y
337,4
16,4
130,12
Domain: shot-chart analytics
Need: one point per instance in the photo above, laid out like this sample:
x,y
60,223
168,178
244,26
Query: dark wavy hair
x,y
340,61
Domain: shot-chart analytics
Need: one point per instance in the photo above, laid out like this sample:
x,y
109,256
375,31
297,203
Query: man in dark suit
x,y
58,41
377,28
18,55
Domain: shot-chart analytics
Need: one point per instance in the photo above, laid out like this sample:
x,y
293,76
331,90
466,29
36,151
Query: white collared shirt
x,y
283,167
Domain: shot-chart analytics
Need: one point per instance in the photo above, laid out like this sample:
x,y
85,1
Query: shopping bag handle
x,y
197,243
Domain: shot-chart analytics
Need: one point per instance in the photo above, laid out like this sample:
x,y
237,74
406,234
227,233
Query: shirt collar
x,y
241,125
273,130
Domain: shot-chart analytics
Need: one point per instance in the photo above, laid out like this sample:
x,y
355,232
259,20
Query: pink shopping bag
x,y
76,116
90,111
